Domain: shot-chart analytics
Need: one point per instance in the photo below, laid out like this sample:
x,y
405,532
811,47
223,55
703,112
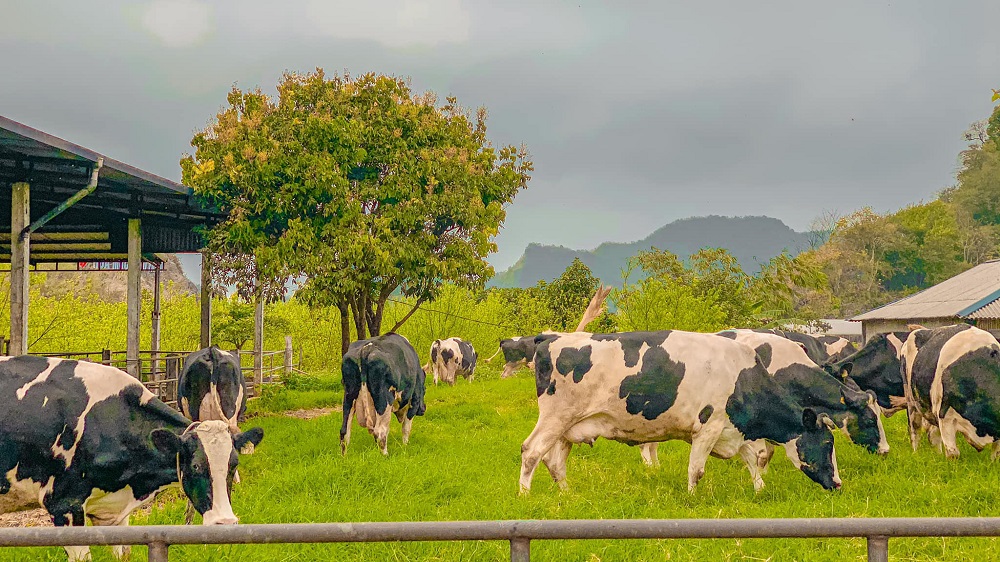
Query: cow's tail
x,y
499,349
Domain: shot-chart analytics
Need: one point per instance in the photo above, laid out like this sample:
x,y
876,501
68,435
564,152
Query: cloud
x,y
392,23
178,23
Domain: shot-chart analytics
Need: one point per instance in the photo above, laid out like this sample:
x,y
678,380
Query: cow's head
x,y
864,420
814,448
206,461
876,365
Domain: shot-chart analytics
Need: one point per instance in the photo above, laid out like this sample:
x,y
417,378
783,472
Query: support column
x,y
134,295
206,299
258,344
154,345
20,218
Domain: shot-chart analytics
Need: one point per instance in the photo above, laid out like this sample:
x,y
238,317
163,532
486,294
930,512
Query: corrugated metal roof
x,y
971,294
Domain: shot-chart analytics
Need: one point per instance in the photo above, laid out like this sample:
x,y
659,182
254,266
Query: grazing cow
x,y
212,387
382,376
952,384
450,358
836,348
855,412
876,367
517,352
88,441
642,387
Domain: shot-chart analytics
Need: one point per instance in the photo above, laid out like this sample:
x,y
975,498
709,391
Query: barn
x,y
972,297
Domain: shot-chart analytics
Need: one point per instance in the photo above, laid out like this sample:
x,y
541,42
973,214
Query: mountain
x,y
752,240
112,285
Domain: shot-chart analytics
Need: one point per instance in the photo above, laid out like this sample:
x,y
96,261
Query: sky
x,y
635,114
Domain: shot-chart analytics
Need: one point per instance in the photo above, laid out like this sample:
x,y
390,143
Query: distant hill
x,y
752,240
112,286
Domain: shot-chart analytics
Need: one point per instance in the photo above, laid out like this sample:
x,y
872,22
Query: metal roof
x,y
971,294
93,229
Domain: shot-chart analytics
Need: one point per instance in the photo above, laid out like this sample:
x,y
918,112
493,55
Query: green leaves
x,y
359,184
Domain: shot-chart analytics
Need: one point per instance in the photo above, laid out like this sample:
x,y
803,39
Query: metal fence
x,y
518,533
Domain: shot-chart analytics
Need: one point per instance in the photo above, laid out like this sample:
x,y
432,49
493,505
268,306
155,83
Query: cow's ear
x,y
830,369
253,435
845,370
166,441
853,398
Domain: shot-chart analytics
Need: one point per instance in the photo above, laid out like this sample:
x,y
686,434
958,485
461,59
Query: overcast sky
x,y
635,116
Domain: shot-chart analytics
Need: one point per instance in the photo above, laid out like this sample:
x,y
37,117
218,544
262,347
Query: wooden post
x,y
20,218
258,344
288,355
206,299
154,357
134,298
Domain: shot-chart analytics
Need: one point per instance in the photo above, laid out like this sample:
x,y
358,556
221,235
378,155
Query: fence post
x,y
288,355
158,551
878,549
106,356
520,550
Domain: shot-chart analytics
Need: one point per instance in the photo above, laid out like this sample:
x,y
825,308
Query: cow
x,y
88,441
212,387
642,387
855,412
820,349
517,352
382,376
952,385
452,357
876,368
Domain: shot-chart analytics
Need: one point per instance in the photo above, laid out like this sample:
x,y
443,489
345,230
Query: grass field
x,y
463,463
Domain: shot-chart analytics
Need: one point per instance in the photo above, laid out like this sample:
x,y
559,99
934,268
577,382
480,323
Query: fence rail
x,y
519,533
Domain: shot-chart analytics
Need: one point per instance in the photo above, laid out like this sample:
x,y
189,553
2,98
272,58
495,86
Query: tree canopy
x,y
359,184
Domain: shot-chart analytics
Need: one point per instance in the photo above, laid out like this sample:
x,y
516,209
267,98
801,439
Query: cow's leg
x,y
948,427
406,422
542,438
437,374
382,430
66,515
702,443
915,422
996,451
555,461
754,453
649,456
121,551
350,399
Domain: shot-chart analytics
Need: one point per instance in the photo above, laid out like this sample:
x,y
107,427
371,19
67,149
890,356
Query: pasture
x,y
463,462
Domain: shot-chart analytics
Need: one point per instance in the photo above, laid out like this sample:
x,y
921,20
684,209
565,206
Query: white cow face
x,y
207,459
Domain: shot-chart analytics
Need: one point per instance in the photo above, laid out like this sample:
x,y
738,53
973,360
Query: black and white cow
x,y
212,387
855,412
452,357
517,352
382,376
87,441
876,367
820,349
836,347
643,387
952,385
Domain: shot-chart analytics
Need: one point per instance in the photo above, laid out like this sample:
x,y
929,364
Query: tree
x,y
234,324
821,228
361,185
568,295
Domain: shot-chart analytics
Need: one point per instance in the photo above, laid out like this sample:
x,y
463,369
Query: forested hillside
x,y
751,240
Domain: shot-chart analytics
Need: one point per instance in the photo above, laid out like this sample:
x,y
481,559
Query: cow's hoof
x,y
563,486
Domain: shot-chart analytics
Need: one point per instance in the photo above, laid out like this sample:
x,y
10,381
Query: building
x,y
972,297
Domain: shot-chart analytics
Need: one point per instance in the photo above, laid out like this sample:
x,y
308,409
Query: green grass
x,y
463,463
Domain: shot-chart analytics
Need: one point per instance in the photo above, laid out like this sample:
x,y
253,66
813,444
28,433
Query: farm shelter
x,y
972,297
72,208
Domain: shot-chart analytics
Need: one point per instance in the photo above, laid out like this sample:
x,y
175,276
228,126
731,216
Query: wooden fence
x,y
160,370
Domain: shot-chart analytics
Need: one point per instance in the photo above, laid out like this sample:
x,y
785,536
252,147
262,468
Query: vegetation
x,y
463,463
358,183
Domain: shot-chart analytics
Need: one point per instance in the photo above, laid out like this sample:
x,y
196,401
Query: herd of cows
x,y
87,441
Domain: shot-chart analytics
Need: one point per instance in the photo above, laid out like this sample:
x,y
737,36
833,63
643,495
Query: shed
x,y
972,297
68,204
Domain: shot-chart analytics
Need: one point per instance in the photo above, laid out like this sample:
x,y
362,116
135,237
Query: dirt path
x,y
28,518
311,413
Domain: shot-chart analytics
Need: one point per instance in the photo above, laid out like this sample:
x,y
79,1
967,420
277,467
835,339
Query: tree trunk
x,y
345,326
357,307
416,306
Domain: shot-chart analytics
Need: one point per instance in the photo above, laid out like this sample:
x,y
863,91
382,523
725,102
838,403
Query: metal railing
x,y
519,533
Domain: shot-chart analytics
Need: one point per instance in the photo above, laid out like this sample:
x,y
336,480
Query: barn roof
x,y
94,228
973,294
